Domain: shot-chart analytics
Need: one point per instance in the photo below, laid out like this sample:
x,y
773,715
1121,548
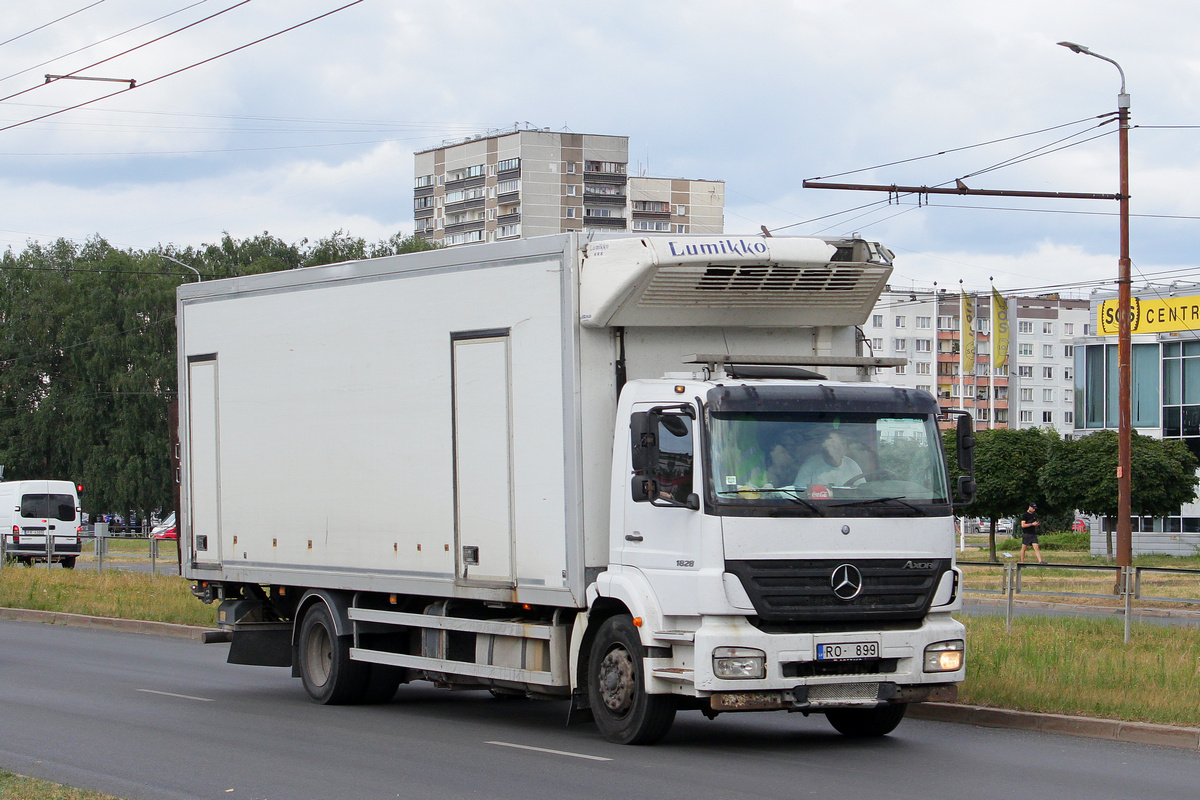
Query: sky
x,y
312,130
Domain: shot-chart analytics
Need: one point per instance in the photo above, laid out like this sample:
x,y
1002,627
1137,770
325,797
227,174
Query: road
x,y
153,717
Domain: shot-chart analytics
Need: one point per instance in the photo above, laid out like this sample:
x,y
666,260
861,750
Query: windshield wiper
x,y
788,494
873,500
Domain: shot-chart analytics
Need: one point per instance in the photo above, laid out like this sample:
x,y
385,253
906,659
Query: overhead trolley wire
x,y
51,22
102,41
127,52
183,69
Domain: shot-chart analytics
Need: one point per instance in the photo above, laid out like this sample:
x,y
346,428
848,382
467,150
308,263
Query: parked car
x,y
167,529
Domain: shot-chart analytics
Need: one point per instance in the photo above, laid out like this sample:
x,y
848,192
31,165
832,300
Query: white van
x,y
30,510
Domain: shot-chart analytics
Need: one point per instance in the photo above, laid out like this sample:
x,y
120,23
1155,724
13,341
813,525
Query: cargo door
x,y
483,504
204,449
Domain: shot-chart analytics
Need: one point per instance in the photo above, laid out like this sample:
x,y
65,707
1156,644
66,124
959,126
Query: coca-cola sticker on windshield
x,y
819,492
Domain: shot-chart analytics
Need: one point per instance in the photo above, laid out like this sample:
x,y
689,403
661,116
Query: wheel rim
x,y
319,654
617,681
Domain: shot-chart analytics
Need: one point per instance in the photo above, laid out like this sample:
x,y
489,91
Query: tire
x,y
329,676
624,712
68,562
869,722
382,682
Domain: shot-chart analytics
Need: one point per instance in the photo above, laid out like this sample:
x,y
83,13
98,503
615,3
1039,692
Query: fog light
x,y
944,656
739,663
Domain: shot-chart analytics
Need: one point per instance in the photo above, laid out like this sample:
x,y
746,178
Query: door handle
x,y
633,537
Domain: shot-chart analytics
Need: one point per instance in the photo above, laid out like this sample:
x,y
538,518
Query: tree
x,y
1082,474
1008,464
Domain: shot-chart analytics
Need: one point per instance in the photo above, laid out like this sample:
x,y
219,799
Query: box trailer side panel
x,y
387,431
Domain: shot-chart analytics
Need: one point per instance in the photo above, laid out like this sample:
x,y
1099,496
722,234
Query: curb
x,y
1090,727
1113,730
106,623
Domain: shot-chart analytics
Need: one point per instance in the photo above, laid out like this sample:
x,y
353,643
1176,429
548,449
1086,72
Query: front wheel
x,y
624,711
329,676
869,722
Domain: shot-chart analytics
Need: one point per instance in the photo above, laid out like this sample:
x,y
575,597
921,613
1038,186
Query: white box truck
x,y
606,470
32,510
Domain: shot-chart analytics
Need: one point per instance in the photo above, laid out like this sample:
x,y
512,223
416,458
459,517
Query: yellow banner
x,y
1152,316
966,334
999,330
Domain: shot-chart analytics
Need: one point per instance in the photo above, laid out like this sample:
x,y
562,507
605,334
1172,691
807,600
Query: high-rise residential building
x,y
524,183
1035,388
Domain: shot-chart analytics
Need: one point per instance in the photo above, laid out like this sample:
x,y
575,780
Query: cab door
x,y
662,534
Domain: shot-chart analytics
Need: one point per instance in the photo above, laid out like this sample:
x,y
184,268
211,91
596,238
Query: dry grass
x,y
18,787
113,593
1082,666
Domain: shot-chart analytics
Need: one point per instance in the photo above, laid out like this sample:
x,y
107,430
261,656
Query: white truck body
x,y
30,511
419,467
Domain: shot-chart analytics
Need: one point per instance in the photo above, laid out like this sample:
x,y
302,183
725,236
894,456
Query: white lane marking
x,y
181,696
548,750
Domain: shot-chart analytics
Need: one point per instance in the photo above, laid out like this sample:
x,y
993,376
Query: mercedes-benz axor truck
x,y
642,475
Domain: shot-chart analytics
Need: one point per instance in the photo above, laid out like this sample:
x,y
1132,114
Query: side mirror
x,y
642,489
965,436
643,433
967,489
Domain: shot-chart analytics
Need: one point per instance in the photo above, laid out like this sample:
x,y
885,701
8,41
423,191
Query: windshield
x,y
827,464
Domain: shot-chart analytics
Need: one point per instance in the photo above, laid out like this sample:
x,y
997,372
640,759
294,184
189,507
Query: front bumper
x,y
794,677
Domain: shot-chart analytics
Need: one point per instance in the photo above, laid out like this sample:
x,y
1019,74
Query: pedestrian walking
x,y
1029,532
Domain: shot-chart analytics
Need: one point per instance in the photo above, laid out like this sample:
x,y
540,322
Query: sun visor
x,y
734,281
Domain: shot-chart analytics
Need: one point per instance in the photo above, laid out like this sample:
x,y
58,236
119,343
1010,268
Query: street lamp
x,y
199,277
1124,346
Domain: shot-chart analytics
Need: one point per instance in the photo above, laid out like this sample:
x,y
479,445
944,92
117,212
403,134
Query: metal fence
x,y
99,550
1128,584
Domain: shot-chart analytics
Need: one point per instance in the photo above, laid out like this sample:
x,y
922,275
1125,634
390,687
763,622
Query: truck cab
x,y
783,544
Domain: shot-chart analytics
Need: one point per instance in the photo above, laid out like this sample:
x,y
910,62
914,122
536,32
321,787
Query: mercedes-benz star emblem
x,y
846,581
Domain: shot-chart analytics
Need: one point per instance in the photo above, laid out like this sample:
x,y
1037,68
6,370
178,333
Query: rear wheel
x,y
329,676
868,722
624,711
68,562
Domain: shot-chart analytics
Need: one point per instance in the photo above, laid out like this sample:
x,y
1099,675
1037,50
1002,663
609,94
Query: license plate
x,y
847,651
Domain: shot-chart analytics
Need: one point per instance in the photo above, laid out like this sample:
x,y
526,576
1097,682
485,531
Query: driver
x,y
830,466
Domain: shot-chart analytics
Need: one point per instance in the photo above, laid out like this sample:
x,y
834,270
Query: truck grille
x,y
803,590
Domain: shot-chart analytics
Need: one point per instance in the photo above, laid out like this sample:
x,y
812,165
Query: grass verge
x,y
18,787
113,593
1083,667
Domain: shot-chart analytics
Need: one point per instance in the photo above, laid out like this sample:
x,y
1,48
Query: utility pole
x,y
1124,329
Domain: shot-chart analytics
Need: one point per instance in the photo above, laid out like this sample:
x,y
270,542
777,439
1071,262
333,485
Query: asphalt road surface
x,y
153,717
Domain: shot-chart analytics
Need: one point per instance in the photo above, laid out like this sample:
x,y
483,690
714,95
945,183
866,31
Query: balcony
x,y
466,183
605,222
463,227
604,199
466,205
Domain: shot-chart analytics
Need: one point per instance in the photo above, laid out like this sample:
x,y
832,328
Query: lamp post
x,y
199,277
1124,346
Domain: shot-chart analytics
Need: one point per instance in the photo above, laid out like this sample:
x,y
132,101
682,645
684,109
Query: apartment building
x,y
534,182
1035,388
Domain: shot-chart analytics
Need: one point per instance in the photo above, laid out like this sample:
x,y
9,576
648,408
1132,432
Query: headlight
x,y
944,656
745,663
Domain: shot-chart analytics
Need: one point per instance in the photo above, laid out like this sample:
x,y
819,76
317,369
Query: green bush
x,y
1067,540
